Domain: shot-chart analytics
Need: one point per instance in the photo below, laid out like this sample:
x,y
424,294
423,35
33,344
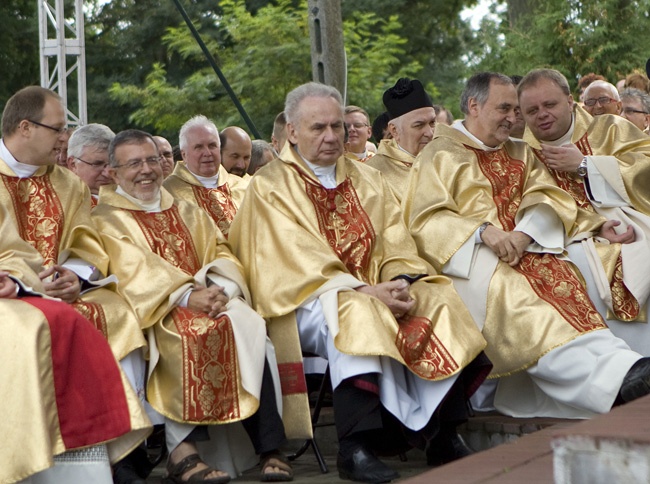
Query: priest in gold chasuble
x,y
482,209
68,408
604,163
332,266
413,119
207,346
201,179
51,208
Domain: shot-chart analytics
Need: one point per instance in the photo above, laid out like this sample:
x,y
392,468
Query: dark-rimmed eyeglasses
x,y
98,165
58,130
152,161
601,100
630,111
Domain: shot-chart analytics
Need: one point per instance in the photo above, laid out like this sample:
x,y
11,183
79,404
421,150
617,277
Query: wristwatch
x,y
582,168
482,228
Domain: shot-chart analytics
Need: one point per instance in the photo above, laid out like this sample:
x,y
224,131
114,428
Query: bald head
x,y
236,148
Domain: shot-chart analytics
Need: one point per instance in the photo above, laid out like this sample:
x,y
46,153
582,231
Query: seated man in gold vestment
x,y
207,347
60,424
484,210
413,119
332,266
603,162
200,178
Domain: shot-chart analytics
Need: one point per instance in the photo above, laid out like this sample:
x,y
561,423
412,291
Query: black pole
x,y
214,66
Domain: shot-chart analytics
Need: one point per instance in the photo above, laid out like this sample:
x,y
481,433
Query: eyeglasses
x,y
152,162
58,130
98,165
356,125
601,100
630,111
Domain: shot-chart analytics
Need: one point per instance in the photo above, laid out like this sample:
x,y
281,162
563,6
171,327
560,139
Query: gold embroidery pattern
x,y
550,278
210,368
94,313
570,183
219,205
554,282
506,175
422,351
169,237
39,214
344,224
624,304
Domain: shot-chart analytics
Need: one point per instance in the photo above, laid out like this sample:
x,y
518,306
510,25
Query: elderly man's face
x,y
634,112
603,101
138,172
548,112
203,151
414,130
92,167
166,155
236,154
319,133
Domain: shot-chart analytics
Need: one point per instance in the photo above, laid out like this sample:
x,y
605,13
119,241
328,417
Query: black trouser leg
x,y
265,427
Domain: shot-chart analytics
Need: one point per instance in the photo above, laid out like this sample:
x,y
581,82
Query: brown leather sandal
x,y
175,472
279,460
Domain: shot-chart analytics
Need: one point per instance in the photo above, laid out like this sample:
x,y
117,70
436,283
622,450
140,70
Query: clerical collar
x,y
22,170
405,151
566,139
361,156
152,206
325,174
207,181
460,126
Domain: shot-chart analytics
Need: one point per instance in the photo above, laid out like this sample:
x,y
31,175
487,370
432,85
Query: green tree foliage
x,y
19,52
576,37
266,55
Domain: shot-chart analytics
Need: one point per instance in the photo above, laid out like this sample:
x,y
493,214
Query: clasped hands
x,y
211,300
509,247
64,284
394,294
7,286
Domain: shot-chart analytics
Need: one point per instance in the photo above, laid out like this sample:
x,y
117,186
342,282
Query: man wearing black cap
x,y
335,273
411,126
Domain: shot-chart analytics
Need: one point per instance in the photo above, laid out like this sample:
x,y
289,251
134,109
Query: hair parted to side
x,y
93,135
198,121
356,109
28,103
536,75
128,137
311,89
478,87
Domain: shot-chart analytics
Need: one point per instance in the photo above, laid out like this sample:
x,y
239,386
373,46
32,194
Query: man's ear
x,y
292,134
394,132
472,106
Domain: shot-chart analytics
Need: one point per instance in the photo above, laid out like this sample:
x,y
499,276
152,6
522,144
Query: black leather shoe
x,y
636,383
362,465
125,474
447,448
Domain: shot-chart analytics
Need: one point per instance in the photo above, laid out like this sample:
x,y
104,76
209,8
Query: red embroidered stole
x,y
218,203
344,223
210,368
41,220
551,279
624,304
91,403
421,349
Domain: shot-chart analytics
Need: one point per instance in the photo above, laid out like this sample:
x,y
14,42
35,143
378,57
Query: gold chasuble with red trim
x,y
455,187
197,378
220,203
395,164
311,242
52,212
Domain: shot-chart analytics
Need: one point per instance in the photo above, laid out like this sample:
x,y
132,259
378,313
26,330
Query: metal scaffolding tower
x,y
56,50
